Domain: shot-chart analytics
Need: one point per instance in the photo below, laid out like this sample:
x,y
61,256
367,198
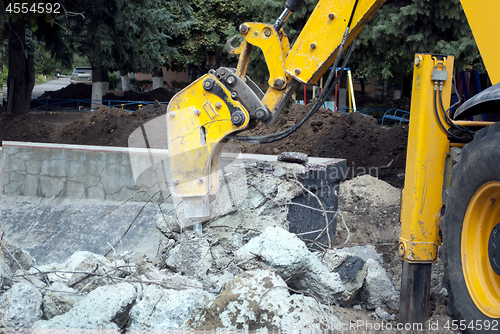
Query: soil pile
x,y
27,128
159,94
84,92
104,126
79,91
368,148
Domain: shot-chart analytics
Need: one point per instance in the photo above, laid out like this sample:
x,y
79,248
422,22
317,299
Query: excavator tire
x,y
471,244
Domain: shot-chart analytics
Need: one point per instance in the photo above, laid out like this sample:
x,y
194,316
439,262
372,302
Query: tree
x,y
127,35
386,47
23,29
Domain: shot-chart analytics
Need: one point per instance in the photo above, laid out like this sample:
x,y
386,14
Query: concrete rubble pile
x,y
245,272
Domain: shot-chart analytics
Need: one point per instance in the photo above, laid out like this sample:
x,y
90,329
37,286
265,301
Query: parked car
x,y
81,75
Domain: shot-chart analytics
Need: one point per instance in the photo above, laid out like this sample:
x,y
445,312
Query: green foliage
x,y
215,21
386,47
4,75
128,35
113,80
40,78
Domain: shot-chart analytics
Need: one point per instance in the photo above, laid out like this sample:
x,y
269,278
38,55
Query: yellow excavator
x,y
450,199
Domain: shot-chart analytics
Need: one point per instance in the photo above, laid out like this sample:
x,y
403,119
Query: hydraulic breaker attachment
x,y
421,201
198,119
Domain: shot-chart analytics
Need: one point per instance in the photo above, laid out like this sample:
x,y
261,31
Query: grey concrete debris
x,y
5,275
295,157
98,310
378,289
83,270
12,258
289,256
20,306
59,299
260,300
190,257
166,309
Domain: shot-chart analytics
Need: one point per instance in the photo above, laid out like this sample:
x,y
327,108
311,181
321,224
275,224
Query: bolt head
x,y
244,28
218,105
201,180
331,16
238,118
234,95
313,46
267,32
197,112
171,114
176,181
260,114
297,71
401,249
231,80
279,82
417,60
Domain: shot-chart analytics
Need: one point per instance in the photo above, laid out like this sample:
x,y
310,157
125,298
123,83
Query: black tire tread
x,y
466,178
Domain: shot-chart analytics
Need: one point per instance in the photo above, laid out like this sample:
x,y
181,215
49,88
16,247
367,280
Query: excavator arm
x,y
226,102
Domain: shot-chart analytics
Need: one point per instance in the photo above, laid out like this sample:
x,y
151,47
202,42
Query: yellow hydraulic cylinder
x,y
428,145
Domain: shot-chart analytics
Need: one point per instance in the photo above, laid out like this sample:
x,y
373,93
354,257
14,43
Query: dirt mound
x,y
368,148
84,92
73,91
104,126
160,94
27,128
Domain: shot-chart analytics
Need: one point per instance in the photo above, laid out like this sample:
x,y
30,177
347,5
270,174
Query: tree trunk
x,y
126,86
100,85
158,78
21,79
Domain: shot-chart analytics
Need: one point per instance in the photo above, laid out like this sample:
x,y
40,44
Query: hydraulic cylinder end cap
x,y
401,249
262,114
238,118
208,84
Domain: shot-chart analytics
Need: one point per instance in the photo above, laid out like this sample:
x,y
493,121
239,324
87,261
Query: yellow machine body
x,y
425,162
483,20
197,122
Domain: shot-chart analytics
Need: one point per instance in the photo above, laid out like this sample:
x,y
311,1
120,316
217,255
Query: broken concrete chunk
x,y
98,310
15,257
369,188
289,256
168,225
166,309
5,276
378,289
294,157
190,257
260,300
59,299
83,271
20,306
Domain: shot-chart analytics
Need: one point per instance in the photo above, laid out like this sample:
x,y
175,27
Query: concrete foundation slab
x,y
55,197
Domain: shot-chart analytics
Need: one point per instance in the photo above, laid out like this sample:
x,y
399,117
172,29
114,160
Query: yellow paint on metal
x,y
194,132
483,20
483,284
315,49
275,48
425,164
